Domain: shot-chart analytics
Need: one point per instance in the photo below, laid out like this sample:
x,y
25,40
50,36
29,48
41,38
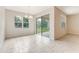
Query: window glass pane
x,y
38,25
25,19
25,22
18,25
18,19
25,25
18,22
45,23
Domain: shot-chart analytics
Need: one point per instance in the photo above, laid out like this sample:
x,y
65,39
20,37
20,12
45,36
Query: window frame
x,y
20,21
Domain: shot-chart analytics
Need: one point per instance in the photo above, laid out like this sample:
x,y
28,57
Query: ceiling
x,y
69,10
28,9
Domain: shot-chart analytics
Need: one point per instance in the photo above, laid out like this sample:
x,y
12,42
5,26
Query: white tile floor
x,y
33,43
36,43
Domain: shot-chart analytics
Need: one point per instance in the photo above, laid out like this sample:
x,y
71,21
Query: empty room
x,y
39,29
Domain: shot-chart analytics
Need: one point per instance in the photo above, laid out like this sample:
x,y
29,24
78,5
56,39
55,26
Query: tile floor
x,y
33,43
38,44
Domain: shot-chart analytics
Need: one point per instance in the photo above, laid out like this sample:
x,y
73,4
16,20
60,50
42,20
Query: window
x,y
18,22
25,22
21,22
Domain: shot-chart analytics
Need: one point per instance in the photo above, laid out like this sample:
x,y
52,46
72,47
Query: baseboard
x,y
18,36
73,34
66,35
62,36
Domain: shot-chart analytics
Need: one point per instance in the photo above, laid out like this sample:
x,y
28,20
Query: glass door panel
x,y
42,25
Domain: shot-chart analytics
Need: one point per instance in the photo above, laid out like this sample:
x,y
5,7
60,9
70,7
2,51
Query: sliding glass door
x,y
38,25
42,25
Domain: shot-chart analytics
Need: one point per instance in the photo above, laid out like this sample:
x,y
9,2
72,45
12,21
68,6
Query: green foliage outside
x,y
42,26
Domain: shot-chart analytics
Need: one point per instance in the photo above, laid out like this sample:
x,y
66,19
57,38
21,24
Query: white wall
x,y
2,22
11,31
49,11
73,24
59,31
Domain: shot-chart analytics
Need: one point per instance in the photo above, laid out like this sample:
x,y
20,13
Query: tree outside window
x,y
25,22
18,22
21,22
